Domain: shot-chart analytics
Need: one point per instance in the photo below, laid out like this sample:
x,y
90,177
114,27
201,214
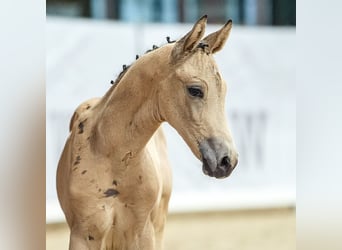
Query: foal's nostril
x,y
225,161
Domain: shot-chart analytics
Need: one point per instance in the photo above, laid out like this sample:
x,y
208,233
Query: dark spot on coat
x,y
140,179
111,192
84,171
75,168
115,183
78,160
126,205
92,181
88,106
90,237
80,127
100,189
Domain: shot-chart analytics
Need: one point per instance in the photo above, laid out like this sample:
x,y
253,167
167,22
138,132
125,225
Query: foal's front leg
x,y
146,238
89,232
78,242
81,241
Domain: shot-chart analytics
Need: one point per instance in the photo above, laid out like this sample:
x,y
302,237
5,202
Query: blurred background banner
x,y
258,63
250,12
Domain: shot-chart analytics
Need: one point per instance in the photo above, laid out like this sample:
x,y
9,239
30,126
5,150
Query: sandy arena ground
x,y
238,230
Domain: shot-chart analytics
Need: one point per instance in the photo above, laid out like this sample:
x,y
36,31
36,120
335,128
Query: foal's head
x,y
193,97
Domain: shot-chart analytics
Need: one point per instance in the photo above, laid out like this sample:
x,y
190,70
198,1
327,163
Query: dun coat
x,y
114,179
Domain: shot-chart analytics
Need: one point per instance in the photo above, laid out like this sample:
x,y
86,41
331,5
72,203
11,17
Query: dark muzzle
x,y
216,157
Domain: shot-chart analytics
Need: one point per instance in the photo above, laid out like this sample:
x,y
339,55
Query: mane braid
x,y
169,41
202,45
126,67
122,73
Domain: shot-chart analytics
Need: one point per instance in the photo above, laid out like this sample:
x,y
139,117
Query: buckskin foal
x,y
113,178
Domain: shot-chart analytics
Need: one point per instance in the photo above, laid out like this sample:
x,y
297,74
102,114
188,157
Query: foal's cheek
x,y
196,112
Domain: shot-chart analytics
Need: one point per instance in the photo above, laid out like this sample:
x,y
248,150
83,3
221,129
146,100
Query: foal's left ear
x,y
217,40
188,42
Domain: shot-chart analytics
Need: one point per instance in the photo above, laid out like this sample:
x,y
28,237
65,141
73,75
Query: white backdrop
x,y
259,67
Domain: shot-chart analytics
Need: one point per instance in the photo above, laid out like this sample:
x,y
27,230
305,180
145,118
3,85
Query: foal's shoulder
x,y
81,109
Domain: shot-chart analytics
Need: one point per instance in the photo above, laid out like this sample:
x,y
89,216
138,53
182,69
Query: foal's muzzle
x,y
218,160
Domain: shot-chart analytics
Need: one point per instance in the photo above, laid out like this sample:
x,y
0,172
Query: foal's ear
x,y
217,39
188,42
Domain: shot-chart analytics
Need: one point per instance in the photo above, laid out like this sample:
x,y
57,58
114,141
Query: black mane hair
x,y
126,67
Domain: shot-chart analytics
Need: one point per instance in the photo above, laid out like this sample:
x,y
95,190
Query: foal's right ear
x,y
217,39
188,42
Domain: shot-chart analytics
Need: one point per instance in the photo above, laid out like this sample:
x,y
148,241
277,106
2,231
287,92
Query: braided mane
x,y
126,67
203,45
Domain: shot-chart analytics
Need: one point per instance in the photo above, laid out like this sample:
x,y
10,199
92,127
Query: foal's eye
x,y
195,91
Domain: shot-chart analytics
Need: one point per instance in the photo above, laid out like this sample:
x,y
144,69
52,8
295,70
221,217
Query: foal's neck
x,y
128,114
